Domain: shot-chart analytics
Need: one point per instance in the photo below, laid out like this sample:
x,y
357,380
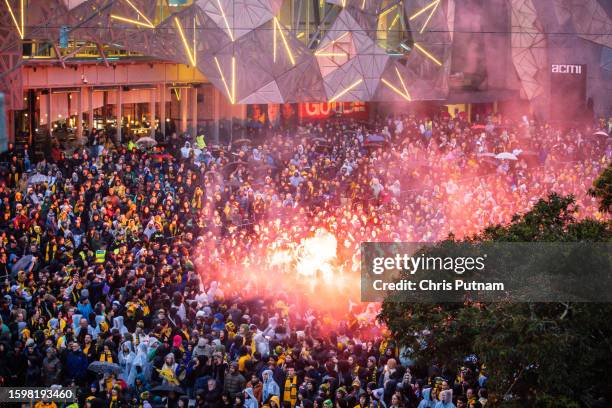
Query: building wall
x,y
47,76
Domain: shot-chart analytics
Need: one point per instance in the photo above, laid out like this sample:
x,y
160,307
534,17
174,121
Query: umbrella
x,y
166,389
240,142
103,367
146,141
37,178
23,264
375,139
506,156
600,133
230,167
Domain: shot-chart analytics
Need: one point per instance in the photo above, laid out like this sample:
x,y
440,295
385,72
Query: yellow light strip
x,y
229,94
363,4
347,89
331,54
424,9
185,43
139,13
424,51
387,11
429,17
300,35
22,20
176,92
332,43
394,89
229,30
10,9
402,82
129,20
394,21
274,41
343,2
280,29
195,55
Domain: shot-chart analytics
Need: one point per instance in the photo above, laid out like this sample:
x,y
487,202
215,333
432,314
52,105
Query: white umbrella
x,y
600,133
37,178
146,141
506,156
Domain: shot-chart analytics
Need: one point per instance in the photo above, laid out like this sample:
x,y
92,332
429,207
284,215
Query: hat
x,y
328,403
30,343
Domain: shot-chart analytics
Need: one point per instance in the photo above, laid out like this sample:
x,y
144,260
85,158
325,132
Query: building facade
x,y
187,62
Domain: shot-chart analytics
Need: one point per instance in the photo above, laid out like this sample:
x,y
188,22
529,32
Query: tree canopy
x,y
602,190
534,354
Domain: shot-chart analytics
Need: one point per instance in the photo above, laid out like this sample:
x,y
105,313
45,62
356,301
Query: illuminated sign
x,y
322,110
566,69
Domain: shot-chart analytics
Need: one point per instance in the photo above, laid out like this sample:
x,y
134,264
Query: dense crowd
x,y
168,275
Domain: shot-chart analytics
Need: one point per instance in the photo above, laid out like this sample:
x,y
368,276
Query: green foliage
x,y
536,354
602,190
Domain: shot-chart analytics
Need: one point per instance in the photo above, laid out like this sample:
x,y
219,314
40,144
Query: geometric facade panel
x,y
590,20
528,48
250,55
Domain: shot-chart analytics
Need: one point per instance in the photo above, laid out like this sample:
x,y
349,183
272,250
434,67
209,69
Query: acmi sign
x,y
566,69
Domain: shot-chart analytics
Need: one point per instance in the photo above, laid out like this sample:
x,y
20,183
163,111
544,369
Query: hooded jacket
x,y
202,349
270,387
250,401
427,402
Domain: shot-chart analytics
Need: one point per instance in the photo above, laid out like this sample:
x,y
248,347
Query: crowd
x,y
151,276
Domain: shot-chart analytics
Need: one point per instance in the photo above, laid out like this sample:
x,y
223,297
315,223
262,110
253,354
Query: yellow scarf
x,y
290,390
106,356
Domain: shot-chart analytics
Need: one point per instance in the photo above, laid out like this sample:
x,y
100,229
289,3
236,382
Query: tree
x,y
602,190
536,354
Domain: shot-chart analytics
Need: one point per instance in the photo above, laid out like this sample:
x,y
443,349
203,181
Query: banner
x,y
257,115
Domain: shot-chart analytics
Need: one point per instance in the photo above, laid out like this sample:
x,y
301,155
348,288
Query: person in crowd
x,y
144,259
